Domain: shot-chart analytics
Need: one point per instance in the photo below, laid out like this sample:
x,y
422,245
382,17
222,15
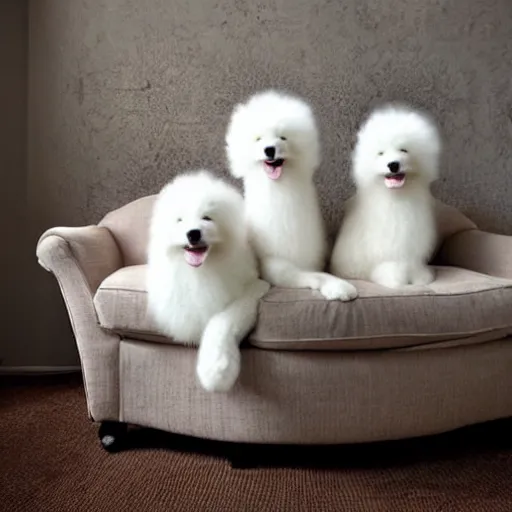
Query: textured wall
x,y
124,94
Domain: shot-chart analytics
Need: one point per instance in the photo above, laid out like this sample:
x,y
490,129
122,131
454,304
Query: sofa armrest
x,y
80,259
92,247
480,251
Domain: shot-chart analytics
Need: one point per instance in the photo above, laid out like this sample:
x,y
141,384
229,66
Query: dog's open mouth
x,y
196,254
395,180
274,168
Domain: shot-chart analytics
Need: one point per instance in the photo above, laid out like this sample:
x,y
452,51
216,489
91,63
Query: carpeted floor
x,y
50,460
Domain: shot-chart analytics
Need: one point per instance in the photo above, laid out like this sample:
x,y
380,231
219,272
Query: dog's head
x,y
395,145
197,216
272,134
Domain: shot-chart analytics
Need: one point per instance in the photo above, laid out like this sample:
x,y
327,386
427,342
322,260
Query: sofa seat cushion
x,y
121,305
459,307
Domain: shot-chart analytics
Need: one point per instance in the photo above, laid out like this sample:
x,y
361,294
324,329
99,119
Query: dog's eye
x,y
403,150
178,220
380,153
207,218
282,138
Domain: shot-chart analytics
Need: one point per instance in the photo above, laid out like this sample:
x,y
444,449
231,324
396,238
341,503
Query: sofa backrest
x,y
451,221
130,227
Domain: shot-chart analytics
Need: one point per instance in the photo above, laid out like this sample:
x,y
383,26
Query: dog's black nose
x,y
193,236
394,166
270,151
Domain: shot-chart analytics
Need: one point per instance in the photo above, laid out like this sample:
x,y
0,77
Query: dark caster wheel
x,y
241,463
113,435
243,458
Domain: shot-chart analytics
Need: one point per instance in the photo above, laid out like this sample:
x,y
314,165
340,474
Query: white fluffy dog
x,y
202,279
389,231
272,143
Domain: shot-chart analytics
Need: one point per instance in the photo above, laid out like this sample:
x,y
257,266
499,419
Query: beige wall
x,y
123,94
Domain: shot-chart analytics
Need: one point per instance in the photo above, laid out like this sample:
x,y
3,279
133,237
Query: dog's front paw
x,y
218,367
335,288
422,276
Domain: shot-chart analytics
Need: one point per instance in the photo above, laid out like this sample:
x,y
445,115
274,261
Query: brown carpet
x,y
50,460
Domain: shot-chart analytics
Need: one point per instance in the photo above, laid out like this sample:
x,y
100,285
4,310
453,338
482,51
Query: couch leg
x,y
113,435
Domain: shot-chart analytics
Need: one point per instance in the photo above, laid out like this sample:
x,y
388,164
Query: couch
x,y
389,365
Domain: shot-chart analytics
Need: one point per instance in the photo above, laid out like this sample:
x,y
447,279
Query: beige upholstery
x,y
302,320
129,226
390,364
80,258
319,397
483,252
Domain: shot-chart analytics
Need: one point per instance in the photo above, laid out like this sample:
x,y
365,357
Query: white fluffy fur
x,y
214,304
388,234
285,224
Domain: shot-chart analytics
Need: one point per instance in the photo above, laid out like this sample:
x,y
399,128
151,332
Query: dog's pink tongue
x,y
195,258
274,172
394,181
